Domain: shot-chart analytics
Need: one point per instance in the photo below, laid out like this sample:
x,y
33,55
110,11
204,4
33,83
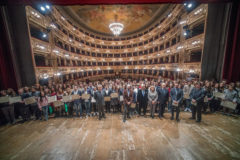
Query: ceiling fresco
x,y
98,17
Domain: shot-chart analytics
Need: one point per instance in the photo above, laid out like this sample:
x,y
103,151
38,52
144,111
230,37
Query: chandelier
x,y
116,28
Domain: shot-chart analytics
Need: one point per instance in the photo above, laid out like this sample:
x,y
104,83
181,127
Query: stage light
x,y
178,69
185,33
162,68
53,26
183,22
189,5
56,51
57,74
47,6
42,8
185,4
191,71
44,35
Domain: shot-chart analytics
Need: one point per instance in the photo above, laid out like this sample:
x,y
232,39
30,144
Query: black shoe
x,y
124,120
152,117
178,120
191,118
198,121
172,118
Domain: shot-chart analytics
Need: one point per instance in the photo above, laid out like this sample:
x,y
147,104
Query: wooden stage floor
x,y
217,137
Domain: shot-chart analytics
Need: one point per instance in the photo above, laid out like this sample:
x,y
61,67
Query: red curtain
x,y
231,70
7,76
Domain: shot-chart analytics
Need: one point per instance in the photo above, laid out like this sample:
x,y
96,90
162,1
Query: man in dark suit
x,y
142,99
176,97
99,97
162,99
128,100
197,97
107,93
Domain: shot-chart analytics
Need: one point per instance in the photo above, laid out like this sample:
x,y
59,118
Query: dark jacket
x,y
176,94
142,99
99,97
197,94
163,95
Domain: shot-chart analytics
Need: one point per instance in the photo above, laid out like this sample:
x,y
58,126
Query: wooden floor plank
x,y
216,137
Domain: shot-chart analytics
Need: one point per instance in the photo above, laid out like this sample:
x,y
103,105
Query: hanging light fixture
x,y
116,27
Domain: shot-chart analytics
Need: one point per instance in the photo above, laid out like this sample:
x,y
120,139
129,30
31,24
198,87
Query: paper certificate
x,y
4,99
229,104
194,103
67,98
114,95
58,103
107,99
205,99
52,99
29,100
121,98
175,104
133,105
15,99
219,95
75,97
186,96
86,96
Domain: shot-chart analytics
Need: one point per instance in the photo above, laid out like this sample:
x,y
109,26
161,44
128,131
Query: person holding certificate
x,y
87,102
43,105
197,99
99,97
176,97
77,103
152,99
142,99
163,96
7,109
128,99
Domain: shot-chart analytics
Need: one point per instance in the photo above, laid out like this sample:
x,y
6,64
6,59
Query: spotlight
x,y
47,6
185,4
42,8
189,5
44,35
185,33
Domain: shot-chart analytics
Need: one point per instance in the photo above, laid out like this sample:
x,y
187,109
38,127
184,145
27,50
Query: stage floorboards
x,y
216,137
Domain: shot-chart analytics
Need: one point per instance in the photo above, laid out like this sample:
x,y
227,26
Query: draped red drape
x,y
7,76
231,70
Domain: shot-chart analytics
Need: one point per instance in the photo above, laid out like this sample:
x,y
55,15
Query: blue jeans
x,y
88,108
188,102
78,109
45,112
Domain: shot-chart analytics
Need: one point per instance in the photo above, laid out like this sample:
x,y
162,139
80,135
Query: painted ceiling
x,y
97,18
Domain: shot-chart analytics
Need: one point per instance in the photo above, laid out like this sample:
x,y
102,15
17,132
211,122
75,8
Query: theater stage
x,y
217,137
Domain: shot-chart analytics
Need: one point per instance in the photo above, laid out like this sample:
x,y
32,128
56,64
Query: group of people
x,y
133,97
